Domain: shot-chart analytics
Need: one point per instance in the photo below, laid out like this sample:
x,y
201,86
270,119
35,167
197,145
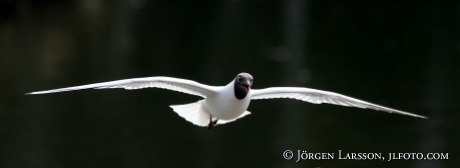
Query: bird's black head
x,y
242,85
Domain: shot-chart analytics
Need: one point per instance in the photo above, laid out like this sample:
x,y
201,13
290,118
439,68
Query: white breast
x,y
225,105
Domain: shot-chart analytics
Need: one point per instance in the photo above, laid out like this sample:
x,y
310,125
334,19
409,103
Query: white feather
x,y
318,97
220,122
197,114
175,84
193,112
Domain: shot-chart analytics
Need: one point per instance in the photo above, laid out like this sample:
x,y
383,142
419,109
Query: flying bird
x,y
224,104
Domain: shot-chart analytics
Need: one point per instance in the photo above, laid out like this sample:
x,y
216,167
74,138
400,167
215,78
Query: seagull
x,y
224,104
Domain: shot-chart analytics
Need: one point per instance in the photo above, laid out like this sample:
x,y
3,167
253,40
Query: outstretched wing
x,y
318,97
175,84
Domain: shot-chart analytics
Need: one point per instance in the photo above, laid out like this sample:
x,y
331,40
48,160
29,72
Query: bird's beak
x,y
247,84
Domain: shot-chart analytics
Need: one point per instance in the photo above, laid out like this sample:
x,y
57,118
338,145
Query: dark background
x,y
401,54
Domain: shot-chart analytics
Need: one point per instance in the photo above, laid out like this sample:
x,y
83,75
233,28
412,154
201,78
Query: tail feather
x,y
193,112
198,115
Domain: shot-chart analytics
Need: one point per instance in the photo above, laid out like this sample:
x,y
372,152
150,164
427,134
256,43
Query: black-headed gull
x,y
223,104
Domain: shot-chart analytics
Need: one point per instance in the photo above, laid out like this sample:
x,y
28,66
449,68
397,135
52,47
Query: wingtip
x,y
420,116
32,93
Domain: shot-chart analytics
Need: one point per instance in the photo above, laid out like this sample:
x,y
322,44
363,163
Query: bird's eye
x,y
238,79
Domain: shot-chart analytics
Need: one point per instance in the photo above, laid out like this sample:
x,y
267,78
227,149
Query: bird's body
x,y
223,104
